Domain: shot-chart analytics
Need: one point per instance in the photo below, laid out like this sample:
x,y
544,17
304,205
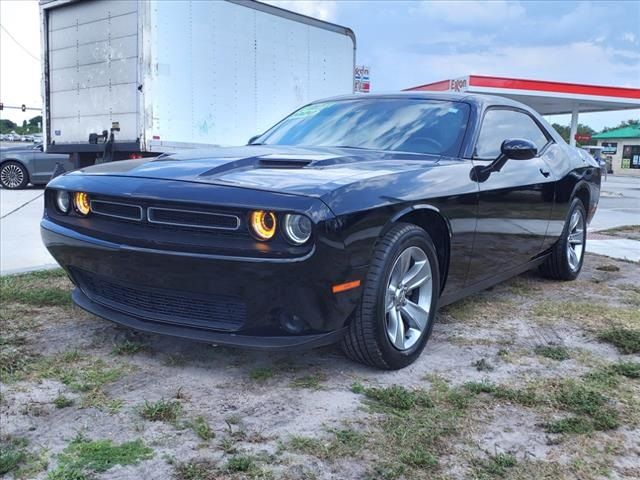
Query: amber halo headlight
x,y
262,224
63,201
82,204
297,228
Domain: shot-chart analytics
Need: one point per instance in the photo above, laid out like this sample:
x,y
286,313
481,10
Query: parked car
x,y
26,164
349,221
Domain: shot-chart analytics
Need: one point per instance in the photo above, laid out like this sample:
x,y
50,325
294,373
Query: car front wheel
x,y
13,175
395,317
567,255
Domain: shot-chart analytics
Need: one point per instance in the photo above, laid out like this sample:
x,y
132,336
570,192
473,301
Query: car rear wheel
x,y
395,317
13,175
567,255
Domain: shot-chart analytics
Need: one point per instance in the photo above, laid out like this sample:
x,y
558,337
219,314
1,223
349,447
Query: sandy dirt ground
x,y
526,380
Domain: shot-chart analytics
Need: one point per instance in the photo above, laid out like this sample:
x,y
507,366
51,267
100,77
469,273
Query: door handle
x,y
546,173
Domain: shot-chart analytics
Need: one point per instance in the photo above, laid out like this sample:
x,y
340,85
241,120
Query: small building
x,y
623,146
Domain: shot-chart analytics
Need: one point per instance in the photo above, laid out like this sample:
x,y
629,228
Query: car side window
x,y
499,125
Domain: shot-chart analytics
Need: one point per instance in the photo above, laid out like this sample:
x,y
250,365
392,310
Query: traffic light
x,y
23,108
1,106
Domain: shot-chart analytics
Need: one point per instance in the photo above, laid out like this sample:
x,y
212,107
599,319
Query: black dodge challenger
x,y
349,221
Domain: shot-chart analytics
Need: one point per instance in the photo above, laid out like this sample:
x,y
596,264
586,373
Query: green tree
x,y
34,123
565,131
7,126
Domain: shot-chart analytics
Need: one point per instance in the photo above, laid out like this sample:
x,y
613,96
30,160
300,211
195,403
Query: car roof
x,y
480,100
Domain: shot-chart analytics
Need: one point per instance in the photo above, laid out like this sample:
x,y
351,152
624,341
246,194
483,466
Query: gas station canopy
x,y
547,98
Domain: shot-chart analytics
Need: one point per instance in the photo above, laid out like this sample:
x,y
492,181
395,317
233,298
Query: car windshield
x,y
396,124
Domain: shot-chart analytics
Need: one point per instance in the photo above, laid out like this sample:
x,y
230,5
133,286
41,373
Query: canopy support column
x,y
574,126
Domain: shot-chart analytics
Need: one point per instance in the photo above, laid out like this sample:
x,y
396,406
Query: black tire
x,y
557,265
366,340
8,170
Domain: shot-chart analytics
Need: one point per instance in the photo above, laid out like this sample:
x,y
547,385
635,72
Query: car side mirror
x,y
511,149
253,139
518,149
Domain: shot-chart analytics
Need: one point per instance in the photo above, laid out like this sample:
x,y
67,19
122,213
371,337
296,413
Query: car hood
x,y
295,170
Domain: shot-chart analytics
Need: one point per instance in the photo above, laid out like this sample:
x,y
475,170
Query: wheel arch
x,y
583,192
430,219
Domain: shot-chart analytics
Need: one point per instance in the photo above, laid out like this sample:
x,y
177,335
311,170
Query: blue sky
x,y
409,43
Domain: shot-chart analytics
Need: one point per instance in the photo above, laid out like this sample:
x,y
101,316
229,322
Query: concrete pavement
x,y
21,249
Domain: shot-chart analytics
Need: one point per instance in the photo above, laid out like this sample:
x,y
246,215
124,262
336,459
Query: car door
x,y
45,164
515,202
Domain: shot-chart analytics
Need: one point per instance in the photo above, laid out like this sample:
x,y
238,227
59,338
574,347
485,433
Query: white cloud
x,y
467,12
322,9
630,37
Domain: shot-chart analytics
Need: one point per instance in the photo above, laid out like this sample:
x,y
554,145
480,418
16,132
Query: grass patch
x,y
478,308
413,429
626,340
312,381
589,314
627,369
496,466
12,453
161,411
62,402
261,374
526,397
128,347
583,399
202,429
483,365
48,288
82,457
15,357
203,470
554,352
608,268
342,443
241,463
577,425
14,458
398,397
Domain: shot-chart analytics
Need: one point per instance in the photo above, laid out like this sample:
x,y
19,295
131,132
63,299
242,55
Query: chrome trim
x,y
153,209
91,202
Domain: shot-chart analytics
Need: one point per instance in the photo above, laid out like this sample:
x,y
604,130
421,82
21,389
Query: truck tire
x,y
13,175
395,317
567,255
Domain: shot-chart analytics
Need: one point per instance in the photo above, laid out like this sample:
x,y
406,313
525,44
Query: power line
x,y
19,44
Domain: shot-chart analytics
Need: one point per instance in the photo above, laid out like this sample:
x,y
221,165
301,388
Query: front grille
x,y
192,218
216,312
116,209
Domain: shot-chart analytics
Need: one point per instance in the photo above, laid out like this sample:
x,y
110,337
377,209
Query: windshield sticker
x,y
310,110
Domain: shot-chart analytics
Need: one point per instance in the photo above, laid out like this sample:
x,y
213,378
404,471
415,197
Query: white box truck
x,y
128,78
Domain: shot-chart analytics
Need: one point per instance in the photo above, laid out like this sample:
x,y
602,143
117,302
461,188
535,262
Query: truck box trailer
x,y
127,78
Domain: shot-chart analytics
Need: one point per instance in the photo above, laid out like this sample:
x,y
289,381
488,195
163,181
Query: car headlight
x,y
297,228
82,204
262,224
63,201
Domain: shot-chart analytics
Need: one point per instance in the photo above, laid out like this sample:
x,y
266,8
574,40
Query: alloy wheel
x,y
11,176
408,298
575,242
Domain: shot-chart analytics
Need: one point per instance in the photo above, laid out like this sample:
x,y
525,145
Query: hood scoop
x,y
283,163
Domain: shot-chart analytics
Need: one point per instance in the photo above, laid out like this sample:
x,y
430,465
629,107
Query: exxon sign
x,y
361,82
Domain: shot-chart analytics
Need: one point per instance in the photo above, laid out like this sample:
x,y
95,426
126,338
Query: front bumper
x,y
249,302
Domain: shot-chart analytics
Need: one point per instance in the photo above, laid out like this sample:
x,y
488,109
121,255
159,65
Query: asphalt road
x,y
22,250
